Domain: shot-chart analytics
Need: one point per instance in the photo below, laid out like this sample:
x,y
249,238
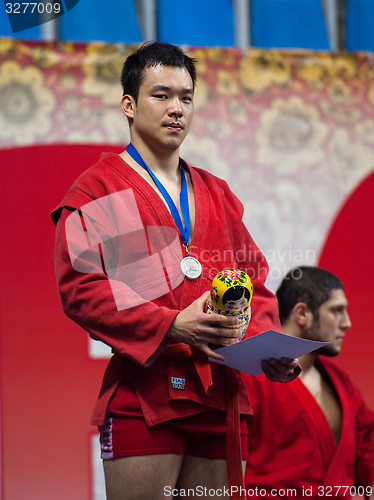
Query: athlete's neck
x,y
307,362
162,162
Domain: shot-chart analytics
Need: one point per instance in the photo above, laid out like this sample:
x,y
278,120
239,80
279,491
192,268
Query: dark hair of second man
x,y
311,285
152,54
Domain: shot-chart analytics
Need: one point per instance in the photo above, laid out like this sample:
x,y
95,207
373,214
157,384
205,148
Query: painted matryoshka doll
x,y
230,295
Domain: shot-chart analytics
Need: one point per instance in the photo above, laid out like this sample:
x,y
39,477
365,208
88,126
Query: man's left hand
x,y
283,370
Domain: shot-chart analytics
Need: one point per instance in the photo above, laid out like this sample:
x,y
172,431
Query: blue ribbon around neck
x,y
185,229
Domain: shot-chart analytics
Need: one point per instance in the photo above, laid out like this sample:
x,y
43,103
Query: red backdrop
x,y
49,384
348,252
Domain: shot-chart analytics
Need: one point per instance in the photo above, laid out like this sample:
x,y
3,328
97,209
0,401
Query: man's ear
x,y
302,315
128,106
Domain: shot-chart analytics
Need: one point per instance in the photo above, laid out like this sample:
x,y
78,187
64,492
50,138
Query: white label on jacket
x,y
178,384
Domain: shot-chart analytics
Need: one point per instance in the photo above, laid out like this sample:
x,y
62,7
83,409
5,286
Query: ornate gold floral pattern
x,y
320,68
371,94
291,135
365,130
205,153
340,113
102,67
45,56
260,69
339,91
7,46
25,104
227,83
351,160
203,95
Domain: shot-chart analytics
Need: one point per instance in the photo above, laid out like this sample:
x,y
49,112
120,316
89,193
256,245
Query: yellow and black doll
x,y
231,295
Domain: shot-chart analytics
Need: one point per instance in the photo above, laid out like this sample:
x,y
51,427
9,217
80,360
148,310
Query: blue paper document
x,y
246,355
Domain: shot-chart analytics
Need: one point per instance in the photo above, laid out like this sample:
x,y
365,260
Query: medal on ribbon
x,y
190,266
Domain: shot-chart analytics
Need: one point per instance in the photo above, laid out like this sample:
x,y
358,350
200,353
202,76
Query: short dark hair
x,y
152,54
311,285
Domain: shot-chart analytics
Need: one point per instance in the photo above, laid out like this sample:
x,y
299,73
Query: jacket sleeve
x,y
96,298
364,456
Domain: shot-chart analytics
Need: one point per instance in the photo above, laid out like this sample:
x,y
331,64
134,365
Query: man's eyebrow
x,y
160,87
165,88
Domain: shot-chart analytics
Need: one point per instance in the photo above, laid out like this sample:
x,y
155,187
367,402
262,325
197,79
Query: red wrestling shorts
x,y
126,433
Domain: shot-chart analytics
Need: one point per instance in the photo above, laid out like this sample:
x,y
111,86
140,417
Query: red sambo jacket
x,y
110,221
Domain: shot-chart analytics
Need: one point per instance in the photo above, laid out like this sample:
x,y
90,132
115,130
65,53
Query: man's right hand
x,y
198,329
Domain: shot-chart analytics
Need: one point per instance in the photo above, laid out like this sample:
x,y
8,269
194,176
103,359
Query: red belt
x,y
233,438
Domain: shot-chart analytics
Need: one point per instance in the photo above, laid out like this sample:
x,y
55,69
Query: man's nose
x,y
346,321
175,107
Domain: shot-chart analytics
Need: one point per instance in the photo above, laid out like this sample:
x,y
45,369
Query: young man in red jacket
x,y
313,437
140,236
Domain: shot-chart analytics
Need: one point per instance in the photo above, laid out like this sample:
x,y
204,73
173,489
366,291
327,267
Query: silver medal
x,y
191,267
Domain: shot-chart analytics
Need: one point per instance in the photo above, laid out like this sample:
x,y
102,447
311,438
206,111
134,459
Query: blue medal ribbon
x,y
185,230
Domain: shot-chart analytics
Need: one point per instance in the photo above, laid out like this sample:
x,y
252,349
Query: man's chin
x,y
328,350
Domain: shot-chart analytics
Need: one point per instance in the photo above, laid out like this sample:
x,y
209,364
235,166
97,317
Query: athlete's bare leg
x,y
203,475
154,477
141,477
